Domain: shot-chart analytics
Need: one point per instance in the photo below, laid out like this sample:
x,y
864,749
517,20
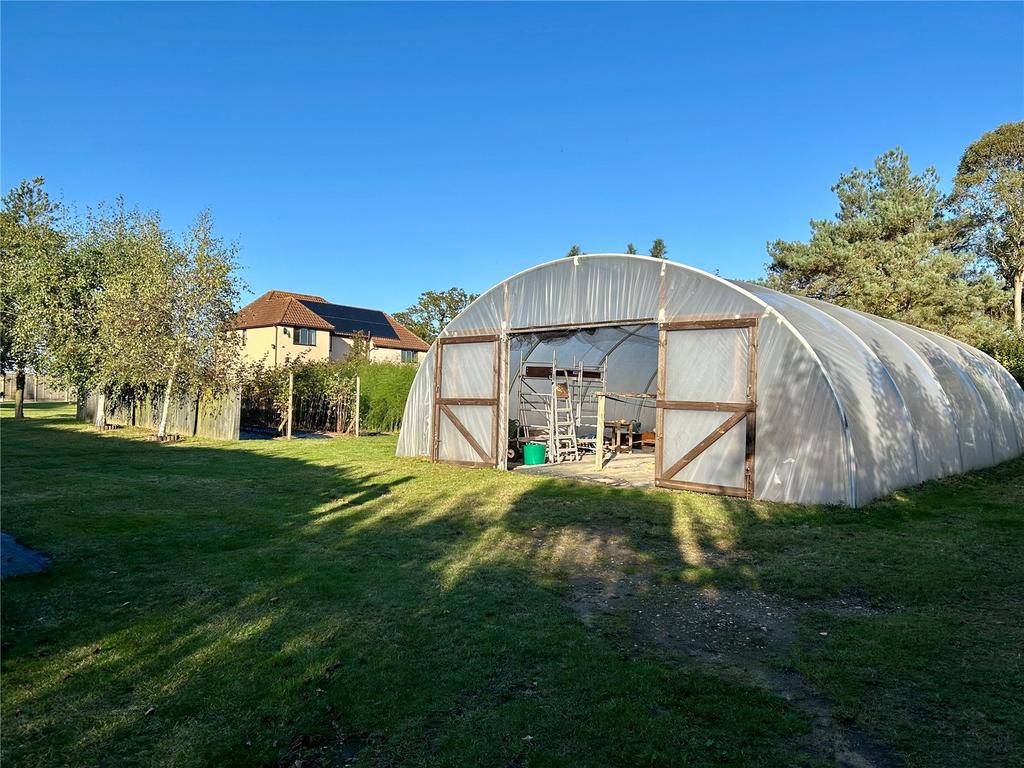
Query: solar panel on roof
x,y
353,319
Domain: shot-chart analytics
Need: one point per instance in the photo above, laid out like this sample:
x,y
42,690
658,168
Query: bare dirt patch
x,y
743,635
336,748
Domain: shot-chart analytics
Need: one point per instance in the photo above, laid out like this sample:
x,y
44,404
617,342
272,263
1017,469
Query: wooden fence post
x,y
357,406
599,437
291,390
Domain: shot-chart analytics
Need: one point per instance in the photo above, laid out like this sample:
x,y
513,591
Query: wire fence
x,y
310,413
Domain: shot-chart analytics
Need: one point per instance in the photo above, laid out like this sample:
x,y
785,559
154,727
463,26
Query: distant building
x,y
280,326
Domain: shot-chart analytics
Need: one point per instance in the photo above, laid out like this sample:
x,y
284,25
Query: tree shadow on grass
x,y
223,604
228,604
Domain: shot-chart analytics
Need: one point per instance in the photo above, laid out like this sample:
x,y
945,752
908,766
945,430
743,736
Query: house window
x,y
305,336
408,356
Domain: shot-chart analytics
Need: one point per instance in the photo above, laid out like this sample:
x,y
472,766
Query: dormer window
x,y
305,336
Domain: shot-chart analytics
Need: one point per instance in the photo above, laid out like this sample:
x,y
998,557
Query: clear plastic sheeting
x,y
1008,385
721,464
936,441
1005,440
706,365
849,406
453,445
878,421
468,370
418,417
803,450
970,416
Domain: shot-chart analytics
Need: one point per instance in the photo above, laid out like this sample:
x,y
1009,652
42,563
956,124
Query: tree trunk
x,y
19,393
162,430
1018,286
100,419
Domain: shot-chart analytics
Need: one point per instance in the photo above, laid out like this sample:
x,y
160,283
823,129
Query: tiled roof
x,y
406,338
299,296
280,308
299,309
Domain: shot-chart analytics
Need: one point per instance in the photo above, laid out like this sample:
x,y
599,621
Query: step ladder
x,y
557,403
563,442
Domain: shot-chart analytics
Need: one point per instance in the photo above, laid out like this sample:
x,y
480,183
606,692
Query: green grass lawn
x,y
322,602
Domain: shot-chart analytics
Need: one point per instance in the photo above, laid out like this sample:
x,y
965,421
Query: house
x,y
280,326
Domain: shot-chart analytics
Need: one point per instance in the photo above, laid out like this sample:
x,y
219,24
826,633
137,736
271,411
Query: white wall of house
x,y
340,347
384,355
276,344
387,355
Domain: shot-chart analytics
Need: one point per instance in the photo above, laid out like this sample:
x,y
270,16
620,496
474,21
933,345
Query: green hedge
x,y
384,388
319,386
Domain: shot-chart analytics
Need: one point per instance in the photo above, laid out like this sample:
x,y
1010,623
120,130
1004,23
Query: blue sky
x,y
369,152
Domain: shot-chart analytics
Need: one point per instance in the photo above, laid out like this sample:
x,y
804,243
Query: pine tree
x,y
886,253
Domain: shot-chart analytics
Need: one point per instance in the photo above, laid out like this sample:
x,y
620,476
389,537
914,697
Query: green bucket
x,y
533,453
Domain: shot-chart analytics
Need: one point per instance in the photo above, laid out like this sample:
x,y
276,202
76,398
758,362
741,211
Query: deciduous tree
x,y
988,198
165,317
433,311
32,246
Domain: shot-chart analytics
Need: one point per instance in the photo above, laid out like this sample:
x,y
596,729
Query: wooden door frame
x,y
442,405
739,412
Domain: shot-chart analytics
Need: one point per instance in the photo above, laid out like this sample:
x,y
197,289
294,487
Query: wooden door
x,y
466,380
707,406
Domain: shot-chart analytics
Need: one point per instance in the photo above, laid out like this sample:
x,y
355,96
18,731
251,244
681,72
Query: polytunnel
x,y
747,391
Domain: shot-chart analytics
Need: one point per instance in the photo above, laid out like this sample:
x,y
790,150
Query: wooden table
x,y
620,429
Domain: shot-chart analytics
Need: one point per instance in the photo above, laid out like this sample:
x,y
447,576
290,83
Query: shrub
x,y
384,388
324,391
1009,351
